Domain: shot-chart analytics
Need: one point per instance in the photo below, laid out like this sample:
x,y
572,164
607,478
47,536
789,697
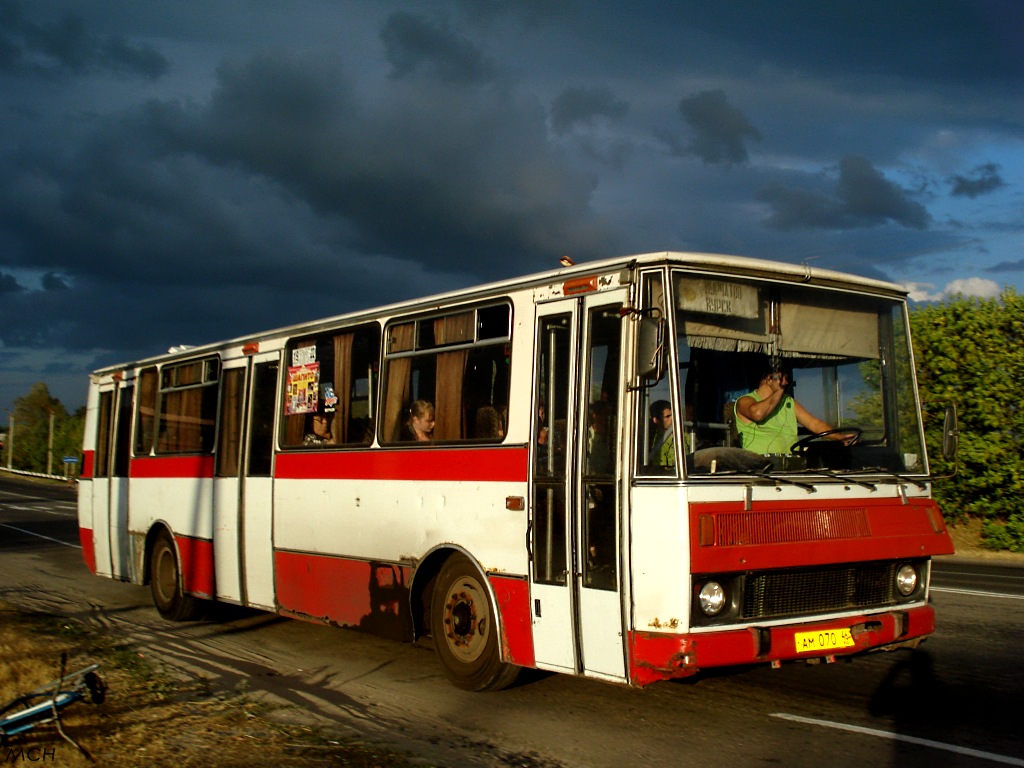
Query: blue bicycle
x,y
43,705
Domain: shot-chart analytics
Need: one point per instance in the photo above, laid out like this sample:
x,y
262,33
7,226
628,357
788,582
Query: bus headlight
x,y
906,580
711,598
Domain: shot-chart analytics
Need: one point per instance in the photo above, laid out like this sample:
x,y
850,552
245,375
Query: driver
x,y
767,418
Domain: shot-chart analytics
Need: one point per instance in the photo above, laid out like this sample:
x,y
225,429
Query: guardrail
x,y
43,475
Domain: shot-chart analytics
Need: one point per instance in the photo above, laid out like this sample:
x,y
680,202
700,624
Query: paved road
x,y
954,702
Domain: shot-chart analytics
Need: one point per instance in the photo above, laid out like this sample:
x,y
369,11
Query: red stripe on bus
x,y
513,596
88,548
88,462
454,464
368,595
374,596
889,530
196,565
172,466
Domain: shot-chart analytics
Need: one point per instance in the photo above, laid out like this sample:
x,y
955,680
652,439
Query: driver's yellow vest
x,y
776,434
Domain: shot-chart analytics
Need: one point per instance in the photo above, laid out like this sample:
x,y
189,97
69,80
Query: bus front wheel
x,y
465,631
166,582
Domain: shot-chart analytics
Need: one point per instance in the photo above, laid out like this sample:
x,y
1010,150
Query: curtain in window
x,y
397,388
451,369
147,413
228,443
832,330
343,388
448,416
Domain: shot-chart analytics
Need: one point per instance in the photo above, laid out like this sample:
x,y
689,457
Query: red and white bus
x,y
541,525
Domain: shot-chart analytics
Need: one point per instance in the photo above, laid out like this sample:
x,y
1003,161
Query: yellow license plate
x,y
823,640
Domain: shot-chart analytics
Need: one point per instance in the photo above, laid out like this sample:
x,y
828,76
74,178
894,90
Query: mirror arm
x,y
950,442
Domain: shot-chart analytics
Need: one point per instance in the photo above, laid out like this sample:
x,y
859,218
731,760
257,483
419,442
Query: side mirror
x,y
950,434
650,353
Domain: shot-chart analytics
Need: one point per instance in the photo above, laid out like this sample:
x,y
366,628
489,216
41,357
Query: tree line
x,y
36,416
968,352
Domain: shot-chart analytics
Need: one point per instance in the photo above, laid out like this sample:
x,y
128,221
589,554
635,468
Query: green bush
x,y
970,352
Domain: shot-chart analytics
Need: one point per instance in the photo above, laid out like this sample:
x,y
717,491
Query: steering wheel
x,y
802,444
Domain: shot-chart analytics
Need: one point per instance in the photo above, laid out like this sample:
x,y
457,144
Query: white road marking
x,y
993,757
42,510
976,593
40,536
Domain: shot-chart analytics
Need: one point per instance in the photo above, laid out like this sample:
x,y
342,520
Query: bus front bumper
x,y
661,656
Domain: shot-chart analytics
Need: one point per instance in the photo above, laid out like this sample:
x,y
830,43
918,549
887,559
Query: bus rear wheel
x,y
465,632
167,585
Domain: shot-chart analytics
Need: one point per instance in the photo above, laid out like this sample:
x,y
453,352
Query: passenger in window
x,y
488,423
419,422
663,444
599,448
319,432
543,436
767,418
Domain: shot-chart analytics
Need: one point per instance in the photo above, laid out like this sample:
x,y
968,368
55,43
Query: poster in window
x,y
302,389
330,398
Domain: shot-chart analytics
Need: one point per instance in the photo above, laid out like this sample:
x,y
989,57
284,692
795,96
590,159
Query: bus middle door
x,y
243,489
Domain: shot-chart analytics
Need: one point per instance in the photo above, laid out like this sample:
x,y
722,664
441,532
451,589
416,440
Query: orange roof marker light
x,y
579,285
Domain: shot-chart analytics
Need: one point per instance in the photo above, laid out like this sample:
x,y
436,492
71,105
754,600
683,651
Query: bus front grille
x,y
778,594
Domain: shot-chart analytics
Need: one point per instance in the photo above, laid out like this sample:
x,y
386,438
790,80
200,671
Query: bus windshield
x,y
834,366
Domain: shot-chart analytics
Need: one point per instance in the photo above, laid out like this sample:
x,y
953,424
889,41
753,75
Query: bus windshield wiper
x,y
783,479
883,471
845,478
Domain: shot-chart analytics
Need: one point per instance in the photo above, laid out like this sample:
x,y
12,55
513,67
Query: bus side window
x,y
145,423
459,363
188,407
330,389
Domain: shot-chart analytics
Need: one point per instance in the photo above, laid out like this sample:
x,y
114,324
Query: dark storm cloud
x,y
430,172
413,43
54,282
984,179
68,45
861,197
280,199
575,106
940,41
8,284
719,129
186,180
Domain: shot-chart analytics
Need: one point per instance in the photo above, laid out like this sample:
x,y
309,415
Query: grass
x,y
151,717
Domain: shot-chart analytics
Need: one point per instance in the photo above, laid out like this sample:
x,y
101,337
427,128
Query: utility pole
x,y
10,439
49,446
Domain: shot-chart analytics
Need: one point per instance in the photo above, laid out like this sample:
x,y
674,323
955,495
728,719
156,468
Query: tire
x,y
465,630
166,583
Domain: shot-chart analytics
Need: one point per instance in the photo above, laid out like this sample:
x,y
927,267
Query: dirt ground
x,y
152,717
967,540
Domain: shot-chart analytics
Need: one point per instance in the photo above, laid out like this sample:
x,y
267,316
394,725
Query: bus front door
x,y
576,567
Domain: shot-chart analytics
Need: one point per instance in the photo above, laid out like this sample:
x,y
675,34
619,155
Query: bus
x,y
549,519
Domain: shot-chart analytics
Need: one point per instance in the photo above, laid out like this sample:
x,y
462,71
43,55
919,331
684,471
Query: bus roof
x,y
726,264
